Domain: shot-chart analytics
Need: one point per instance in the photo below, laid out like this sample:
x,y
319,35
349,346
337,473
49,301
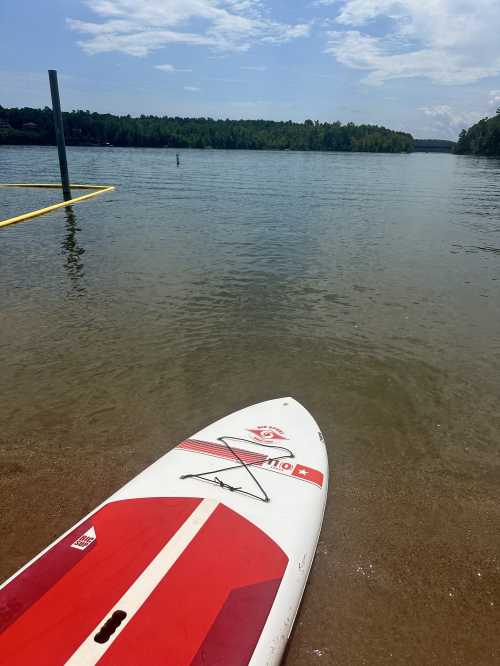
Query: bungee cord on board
x,y
264,497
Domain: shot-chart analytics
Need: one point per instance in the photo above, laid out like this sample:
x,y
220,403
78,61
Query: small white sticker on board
x,y
85,540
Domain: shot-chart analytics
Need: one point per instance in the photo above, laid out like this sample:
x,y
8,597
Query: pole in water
x,y
58,124
177,158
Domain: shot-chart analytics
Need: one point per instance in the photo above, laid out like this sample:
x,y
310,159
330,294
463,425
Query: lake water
x,y
366,286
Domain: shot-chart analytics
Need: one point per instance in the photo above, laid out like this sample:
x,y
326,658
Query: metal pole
x,y
58,124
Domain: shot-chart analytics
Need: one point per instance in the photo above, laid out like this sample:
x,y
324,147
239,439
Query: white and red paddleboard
x,y
200,560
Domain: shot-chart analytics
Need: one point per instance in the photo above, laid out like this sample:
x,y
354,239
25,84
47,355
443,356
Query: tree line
x,y
35,126
483,138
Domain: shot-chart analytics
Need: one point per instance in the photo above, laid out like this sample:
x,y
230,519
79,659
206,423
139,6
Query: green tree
x,y
86,128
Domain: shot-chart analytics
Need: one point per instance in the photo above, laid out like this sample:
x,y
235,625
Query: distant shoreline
x,y
29,126
210,148
483,138
35,126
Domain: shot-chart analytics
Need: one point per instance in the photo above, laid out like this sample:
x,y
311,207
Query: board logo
x,y
267,434
298,471
85,540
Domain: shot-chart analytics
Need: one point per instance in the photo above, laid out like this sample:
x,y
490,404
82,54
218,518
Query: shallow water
x,y
367,286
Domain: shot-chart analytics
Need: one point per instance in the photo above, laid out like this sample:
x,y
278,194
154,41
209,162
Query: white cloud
x,y
494,98
447,122
137,27
171,69
192,88
447,41
165,68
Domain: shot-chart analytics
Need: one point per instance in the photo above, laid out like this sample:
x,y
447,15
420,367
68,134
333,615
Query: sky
x,y
429,67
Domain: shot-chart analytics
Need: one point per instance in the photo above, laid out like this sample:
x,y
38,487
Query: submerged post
x,y
58,123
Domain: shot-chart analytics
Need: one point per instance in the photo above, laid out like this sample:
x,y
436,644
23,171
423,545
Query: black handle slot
x,y
110,626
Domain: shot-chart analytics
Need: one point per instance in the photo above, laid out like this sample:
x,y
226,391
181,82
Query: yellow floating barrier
x,y
98,189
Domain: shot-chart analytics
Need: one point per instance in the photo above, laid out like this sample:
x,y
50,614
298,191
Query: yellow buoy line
x,y
98,189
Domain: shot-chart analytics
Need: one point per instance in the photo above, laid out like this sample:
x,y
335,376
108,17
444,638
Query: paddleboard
x,y
200,560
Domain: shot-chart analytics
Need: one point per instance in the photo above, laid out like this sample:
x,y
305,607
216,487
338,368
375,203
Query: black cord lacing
x,y
264,497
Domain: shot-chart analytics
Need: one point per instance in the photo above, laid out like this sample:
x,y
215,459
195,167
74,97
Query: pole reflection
x,y
73,252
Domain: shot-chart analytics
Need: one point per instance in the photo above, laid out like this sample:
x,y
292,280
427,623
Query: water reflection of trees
x,y
73,252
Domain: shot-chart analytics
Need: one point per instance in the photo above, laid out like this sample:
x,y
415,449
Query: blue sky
x,y
430,67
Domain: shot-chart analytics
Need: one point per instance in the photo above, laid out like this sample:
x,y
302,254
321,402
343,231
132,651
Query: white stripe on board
x,y
90,651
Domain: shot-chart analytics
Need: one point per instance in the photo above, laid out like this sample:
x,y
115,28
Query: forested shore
x,y
483,138
20,126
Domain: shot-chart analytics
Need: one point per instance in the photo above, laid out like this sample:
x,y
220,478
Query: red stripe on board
x,y
222,451
177,619
234,634
227,455
129,534
40,576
